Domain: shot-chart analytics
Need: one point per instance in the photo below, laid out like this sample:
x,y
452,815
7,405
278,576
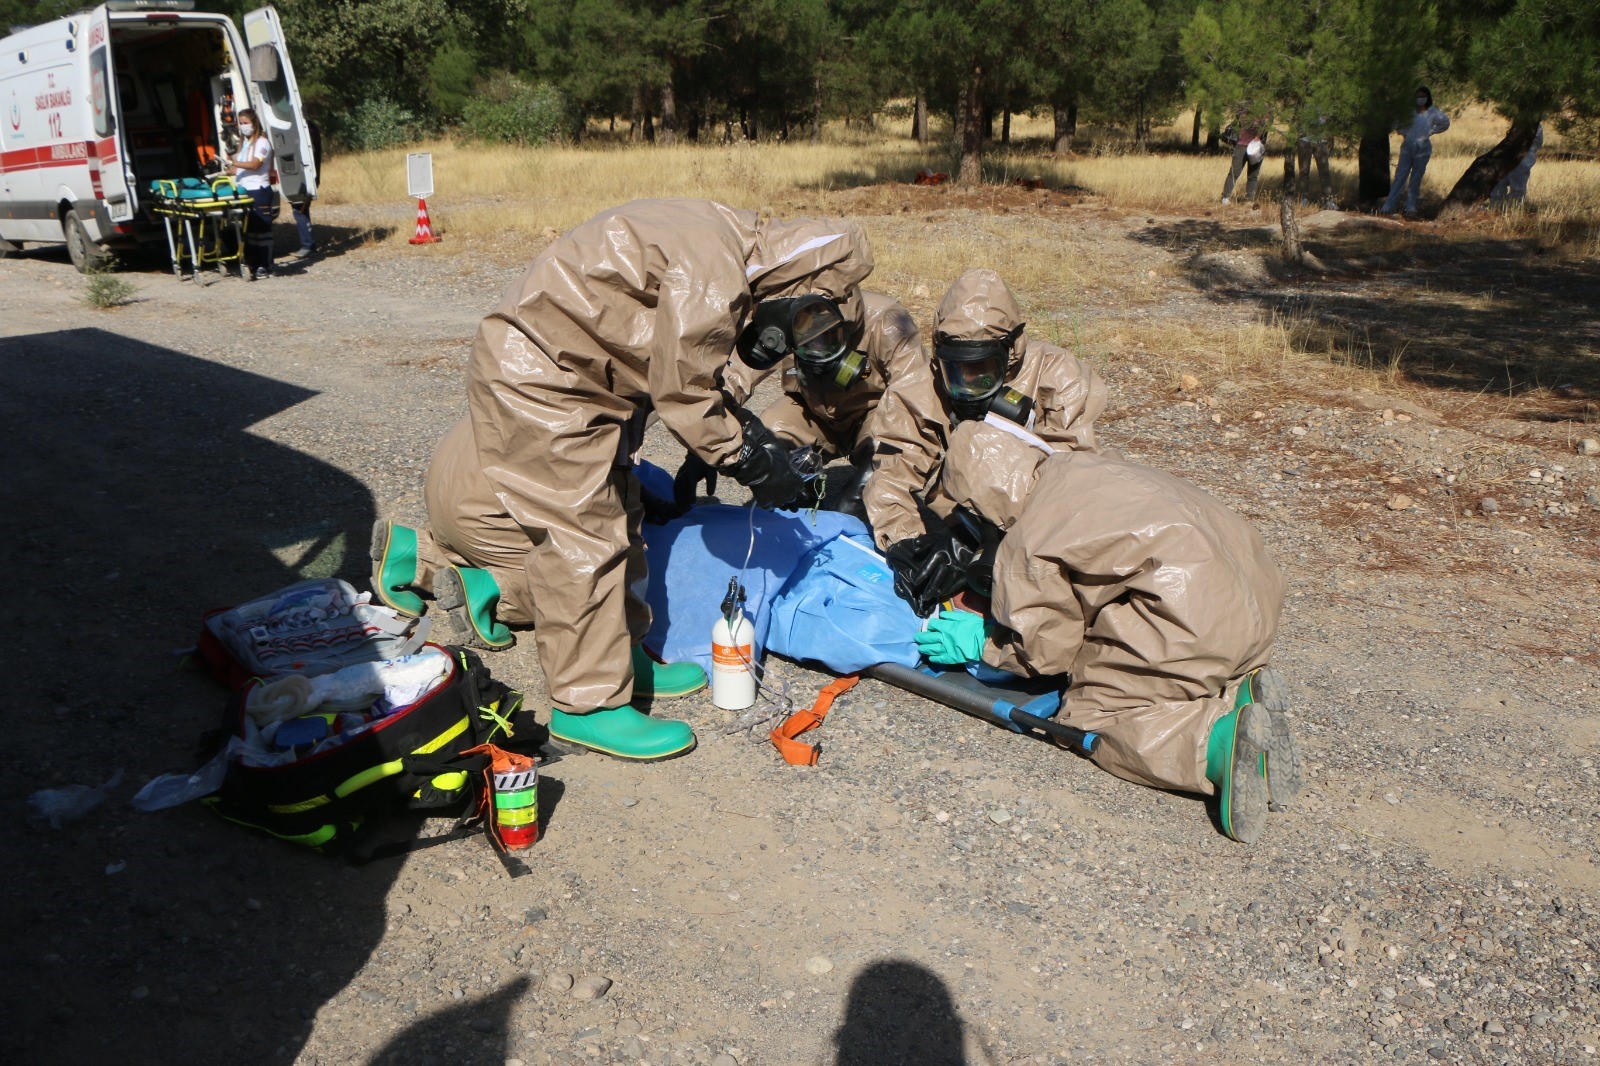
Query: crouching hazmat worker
x,y
1159,602
833,405
533,509
987,368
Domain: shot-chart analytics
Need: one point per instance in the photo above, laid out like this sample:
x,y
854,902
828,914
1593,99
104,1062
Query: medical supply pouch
x,y
410,756
311,627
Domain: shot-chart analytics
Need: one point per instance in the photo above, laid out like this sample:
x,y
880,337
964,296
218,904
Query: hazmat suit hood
x,y
797,256
980,306
992,468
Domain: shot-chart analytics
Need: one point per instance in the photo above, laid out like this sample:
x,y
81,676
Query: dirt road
x,y
936,891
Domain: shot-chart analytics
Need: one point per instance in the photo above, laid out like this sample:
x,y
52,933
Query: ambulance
x,y
95,106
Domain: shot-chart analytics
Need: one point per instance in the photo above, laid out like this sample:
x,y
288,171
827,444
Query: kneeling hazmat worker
x,y
1159,602
533,509
988,367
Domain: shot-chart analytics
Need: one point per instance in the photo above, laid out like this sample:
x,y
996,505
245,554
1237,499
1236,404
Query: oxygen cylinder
x,y
733,682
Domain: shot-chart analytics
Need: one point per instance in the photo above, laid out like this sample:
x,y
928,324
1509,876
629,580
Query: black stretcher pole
x,y
931,687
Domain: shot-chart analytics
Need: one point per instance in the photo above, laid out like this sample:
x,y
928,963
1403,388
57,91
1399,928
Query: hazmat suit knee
x,y
1154,597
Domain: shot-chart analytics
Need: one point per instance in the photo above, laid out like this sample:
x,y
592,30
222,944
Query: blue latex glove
x,y
952,638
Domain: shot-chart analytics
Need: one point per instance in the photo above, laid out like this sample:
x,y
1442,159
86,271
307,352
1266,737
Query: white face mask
x,y
246,129
1422,103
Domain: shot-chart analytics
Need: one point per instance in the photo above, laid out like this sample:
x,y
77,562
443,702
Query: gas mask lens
x,y
821,335
973,370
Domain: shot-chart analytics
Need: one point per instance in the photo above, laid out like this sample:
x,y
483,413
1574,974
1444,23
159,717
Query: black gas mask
x,y
813,330
977,541
973,373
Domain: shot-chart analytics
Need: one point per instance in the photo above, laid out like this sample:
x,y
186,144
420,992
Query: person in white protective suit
x,y
1513,188
1416,147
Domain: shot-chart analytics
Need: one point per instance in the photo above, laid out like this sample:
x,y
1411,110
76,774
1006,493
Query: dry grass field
x,y
492,190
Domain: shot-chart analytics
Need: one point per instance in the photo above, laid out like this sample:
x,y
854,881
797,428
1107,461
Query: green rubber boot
x,y
1236,755
665,681
623,732
394,566
1285,770
470,596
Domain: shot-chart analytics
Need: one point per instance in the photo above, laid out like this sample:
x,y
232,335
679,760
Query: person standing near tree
x,y
1314,143
1416,148
1249,149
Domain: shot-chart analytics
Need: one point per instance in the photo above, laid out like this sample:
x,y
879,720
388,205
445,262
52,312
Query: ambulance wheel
x,y
8,249
86,255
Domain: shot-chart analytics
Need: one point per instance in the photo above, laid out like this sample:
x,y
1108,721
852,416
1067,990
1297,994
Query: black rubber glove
x,y
686,483
926,570
763,467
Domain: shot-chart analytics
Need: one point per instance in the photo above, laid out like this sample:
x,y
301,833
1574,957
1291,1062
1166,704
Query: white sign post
x,y
419,174
419,183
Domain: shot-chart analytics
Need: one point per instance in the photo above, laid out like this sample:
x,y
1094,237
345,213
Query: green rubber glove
x,y
952,638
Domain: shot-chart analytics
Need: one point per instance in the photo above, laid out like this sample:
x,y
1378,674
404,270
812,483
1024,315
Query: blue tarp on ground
x,y
816,589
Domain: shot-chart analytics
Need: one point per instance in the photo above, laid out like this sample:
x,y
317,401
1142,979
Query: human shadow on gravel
x,y
137,497
900,1012
472,1031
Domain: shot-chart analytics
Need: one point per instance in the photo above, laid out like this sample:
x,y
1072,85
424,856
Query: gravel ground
x,y
936,891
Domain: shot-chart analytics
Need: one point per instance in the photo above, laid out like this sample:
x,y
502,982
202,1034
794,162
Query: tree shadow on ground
x,y
900,1012
136,499
1473,315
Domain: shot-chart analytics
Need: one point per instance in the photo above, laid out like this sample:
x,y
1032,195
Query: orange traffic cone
x,y
424,227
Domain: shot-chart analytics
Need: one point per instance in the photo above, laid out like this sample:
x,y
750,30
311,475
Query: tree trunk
x,y
919,119
1213,138
1372,158
669,112
1293,251
1141,132
1005,126
816,105
1486,171
613,123
1194,134
972,129
636,116
988,122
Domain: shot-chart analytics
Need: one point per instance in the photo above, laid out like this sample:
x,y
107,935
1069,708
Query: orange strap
x,y
799,753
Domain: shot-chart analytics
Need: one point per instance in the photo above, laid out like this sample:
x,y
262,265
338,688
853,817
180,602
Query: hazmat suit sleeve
x,y
1039,622
1438,121
700,307
907,429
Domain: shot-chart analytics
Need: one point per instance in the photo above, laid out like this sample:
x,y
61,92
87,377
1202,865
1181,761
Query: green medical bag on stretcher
x,y
318,786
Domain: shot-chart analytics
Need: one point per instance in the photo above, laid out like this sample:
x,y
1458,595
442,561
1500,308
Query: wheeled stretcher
x,y
198,215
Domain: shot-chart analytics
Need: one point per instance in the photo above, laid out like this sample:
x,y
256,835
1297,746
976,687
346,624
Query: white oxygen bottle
x,y
733,682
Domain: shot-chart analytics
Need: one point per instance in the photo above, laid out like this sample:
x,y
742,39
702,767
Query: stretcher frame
x,y
202,224
1023,707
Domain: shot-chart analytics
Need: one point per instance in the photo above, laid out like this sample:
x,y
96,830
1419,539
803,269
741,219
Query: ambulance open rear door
x,y
269,70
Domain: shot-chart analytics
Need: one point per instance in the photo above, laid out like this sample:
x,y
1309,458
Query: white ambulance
x,y
95,106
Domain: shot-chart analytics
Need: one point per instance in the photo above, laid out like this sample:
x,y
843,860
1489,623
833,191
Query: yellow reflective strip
x,y
296,808
389,769
444,738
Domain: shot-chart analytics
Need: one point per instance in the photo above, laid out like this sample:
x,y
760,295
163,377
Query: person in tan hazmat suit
x,y
1160,603
533,509
840,410
988,368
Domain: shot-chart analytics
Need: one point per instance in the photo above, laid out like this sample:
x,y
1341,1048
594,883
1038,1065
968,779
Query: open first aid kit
x,y
341,709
